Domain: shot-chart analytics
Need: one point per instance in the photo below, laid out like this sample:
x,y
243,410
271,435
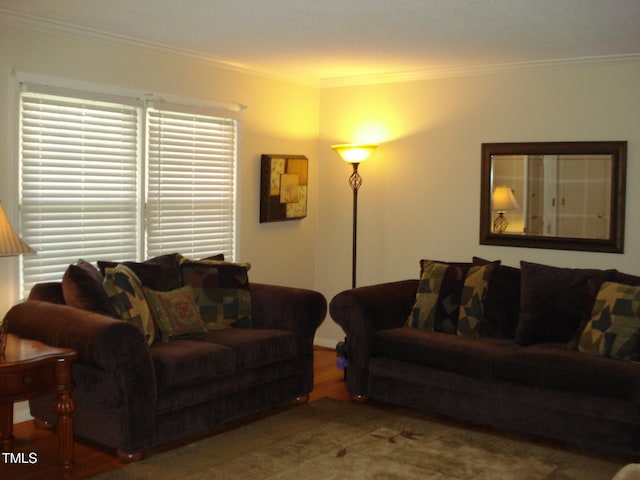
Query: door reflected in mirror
x,y
566,195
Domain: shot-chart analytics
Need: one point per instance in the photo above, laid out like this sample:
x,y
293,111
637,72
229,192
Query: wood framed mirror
x,y
558,195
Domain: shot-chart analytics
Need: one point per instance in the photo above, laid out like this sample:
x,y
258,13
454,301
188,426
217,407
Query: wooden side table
x,y
30,369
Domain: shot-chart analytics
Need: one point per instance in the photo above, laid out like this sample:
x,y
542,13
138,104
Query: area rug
x,y
334,440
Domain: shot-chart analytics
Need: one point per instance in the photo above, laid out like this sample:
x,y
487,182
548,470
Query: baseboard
x,y
325,342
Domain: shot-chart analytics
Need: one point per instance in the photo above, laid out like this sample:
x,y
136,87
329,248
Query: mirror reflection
x,y
562,195
552,195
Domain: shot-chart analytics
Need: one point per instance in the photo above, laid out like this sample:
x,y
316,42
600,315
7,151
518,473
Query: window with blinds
x,y
191,184
102,180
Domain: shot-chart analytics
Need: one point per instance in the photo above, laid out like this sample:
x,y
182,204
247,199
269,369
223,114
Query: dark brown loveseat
x,y
132,396
522,370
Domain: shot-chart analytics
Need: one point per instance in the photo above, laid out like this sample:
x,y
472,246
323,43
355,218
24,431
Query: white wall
x,y
421,190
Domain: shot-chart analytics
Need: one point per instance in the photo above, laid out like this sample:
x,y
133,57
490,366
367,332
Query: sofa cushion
x,y
175,312
82,288
254,348
553,366
128,299
160,273
502,304
437,302
186,362
466,356
221,290
472,299
553,301
614,328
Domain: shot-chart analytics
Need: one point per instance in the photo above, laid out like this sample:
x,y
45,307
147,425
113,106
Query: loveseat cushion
x,y
502,303
181,363
82,288
553,366
463,355
254,348
554,301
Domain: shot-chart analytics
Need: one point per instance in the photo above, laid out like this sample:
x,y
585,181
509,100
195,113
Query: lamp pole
x,y
354,154
355,180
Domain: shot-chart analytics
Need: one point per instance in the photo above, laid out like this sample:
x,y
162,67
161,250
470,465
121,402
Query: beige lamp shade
x,y
10,242
504,199
355,153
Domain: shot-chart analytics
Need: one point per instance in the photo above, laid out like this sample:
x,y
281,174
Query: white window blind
x,y
104,180
79,162
191,184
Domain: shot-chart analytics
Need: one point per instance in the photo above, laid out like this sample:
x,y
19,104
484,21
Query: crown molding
x,y
467,71
53,27
72,31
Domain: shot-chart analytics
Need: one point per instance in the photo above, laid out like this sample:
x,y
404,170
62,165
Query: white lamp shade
x,y
10,242
355,153
504,199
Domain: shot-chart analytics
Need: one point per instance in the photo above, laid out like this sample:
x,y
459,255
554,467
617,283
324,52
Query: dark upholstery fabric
x,y
82,288
555,367
542,389
254,348
178,399
47,292
160,273
365,310
115,353
118,402
295,310
182,363
502,304
463,355
553,302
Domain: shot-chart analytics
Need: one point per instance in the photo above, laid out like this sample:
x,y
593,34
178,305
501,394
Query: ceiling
x,y
326,41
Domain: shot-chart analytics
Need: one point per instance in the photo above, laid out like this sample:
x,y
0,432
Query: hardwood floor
x,y
91,459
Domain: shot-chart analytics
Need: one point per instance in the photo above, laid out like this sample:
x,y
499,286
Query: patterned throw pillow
x,y
221,291
175,312
614,328
127,297
472,299
438,298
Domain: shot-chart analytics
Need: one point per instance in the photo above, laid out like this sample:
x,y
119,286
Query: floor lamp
x,y
10,244
354,154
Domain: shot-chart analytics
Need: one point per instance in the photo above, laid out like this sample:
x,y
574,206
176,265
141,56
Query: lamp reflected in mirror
x,y
503,200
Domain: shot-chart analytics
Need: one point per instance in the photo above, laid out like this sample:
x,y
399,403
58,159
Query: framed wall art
x,y
283,187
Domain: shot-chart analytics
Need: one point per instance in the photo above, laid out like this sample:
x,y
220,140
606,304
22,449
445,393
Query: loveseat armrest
x,y
113,367
296,310
103,341
363,311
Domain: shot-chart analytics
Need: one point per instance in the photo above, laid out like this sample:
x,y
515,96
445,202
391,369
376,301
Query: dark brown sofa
x,y
523,373
131,396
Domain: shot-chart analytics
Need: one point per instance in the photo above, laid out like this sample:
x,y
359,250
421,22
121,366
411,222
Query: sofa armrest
x,y
363,311
296,310
113,368
103,341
